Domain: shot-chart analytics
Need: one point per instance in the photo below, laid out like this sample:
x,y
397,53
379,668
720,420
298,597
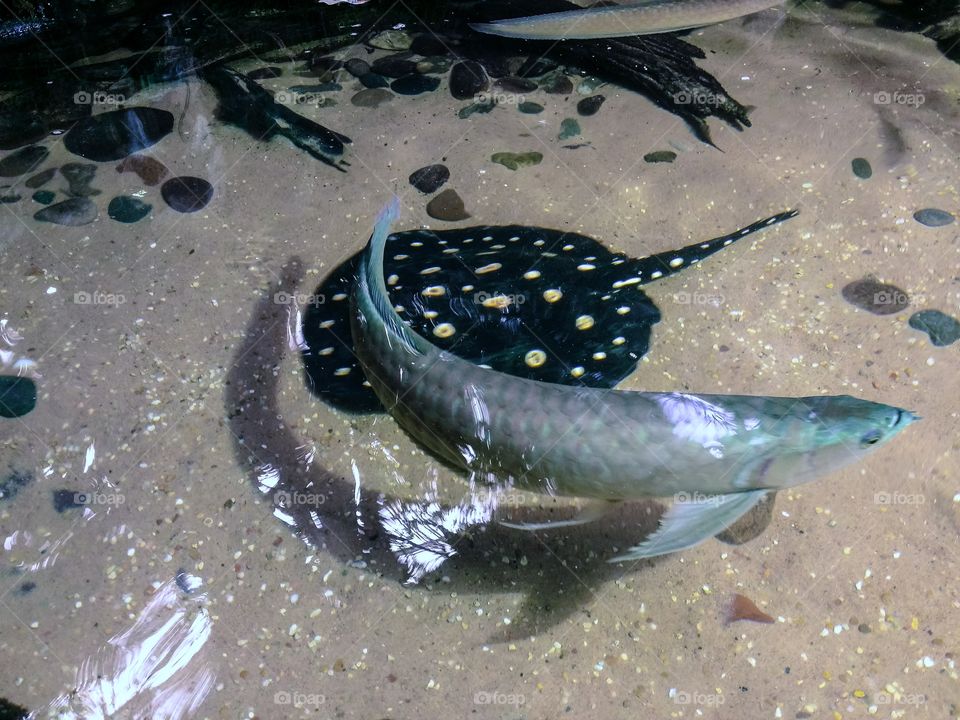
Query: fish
x,y
242,102
528,301
717,455
636,18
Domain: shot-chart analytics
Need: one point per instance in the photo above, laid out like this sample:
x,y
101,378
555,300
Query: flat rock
x,y
468,79
448,206
515,161
72,212
942,329
415,84
933,217
372,97
23,161
429,179
116,134
187,194
127,209
875,297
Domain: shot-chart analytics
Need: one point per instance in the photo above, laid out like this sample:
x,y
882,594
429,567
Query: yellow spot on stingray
x,y
430,314
578,371
623,310
568,248
401,257
535,358
340,372
340,297
552,295
586,267
600,355
467,288
656,274
434,291
489,268
327,351
584,322
444,330
393,280
416,243
430,270
531,275
619,340
676,262
501,302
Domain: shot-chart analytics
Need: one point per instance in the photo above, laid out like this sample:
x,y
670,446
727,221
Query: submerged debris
x,y
515,161
740,607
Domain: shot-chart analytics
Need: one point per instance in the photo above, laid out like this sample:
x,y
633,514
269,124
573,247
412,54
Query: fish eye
x,y
870,438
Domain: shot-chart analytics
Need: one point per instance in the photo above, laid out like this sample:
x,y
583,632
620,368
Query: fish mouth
x,y
906,417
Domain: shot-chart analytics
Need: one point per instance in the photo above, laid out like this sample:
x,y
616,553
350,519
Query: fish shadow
x,y
560,572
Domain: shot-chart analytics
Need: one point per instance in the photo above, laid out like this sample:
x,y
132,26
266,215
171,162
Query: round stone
x,y
187,194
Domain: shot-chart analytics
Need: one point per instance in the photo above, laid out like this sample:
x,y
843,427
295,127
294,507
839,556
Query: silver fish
x,y
718,455
638,18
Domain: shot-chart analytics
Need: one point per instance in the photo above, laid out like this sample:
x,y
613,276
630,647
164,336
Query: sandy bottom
x,y
189,391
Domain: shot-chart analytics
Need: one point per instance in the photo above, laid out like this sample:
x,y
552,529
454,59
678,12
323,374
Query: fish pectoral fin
x,y
592,510
686,524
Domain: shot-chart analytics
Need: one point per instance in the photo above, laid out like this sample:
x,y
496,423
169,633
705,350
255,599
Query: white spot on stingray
x,y
586,267
531,275
401,257
584,322
339,297
600,355
487,238
467,288
393,280
535,358
676,262
705,246
340,372
444,330
552,295
498,247
430,270
500,302
434,291
326,351
416,243
619,340
578,371
327,324
656,274
514,238
623,283
567,248
539,243
451,251
492,267
430,314
623,310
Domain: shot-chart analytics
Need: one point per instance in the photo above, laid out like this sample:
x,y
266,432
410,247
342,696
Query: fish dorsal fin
x,y
689,523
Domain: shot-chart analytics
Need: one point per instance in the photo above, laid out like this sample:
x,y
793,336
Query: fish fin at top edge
x,y
686,524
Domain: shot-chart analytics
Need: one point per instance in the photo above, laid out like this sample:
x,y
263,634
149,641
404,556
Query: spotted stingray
x,y
537,303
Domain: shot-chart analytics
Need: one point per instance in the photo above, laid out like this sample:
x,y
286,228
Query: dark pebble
x,y
64,500
126,209
478,107
660,156
468,79
590,105
861,168
392,68
13,483
415,84
72,212
44,197
8,195
557,84
429,179
530,108
323,64
372,81
942,329
23,161
80,175
427,45
115,134
41,178
357,67
26,588
318,88
372,97
448,206
148,169
876,297
516,84
18,396
265,73
186,194
932,217
568,128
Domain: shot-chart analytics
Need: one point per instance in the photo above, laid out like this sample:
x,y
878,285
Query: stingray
x,y
533,302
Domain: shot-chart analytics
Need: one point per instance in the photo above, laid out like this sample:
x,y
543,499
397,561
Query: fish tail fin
x,y
663,264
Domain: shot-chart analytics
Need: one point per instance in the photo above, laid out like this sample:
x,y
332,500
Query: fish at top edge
x,y
721,453
632,18
532,302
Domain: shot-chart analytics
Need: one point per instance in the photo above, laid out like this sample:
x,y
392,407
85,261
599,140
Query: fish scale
x,y
571,311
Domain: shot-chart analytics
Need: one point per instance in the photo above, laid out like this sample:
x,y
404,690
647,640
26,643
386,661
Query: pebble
x,y
568,128
357,67
64,500
557,84
18,396
80,175
660,156
530,108
589,84
372,97
429,179
41,178
115,134
438,64
477,107
127,209
373,81
942,329
448,206
8,195
536,67
150,170
590,105
415,84
514,84
391,40
861,168
876,297
72,212
515,161
265,73
932,217
468,79
44,197
23,161
187,194
393,67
